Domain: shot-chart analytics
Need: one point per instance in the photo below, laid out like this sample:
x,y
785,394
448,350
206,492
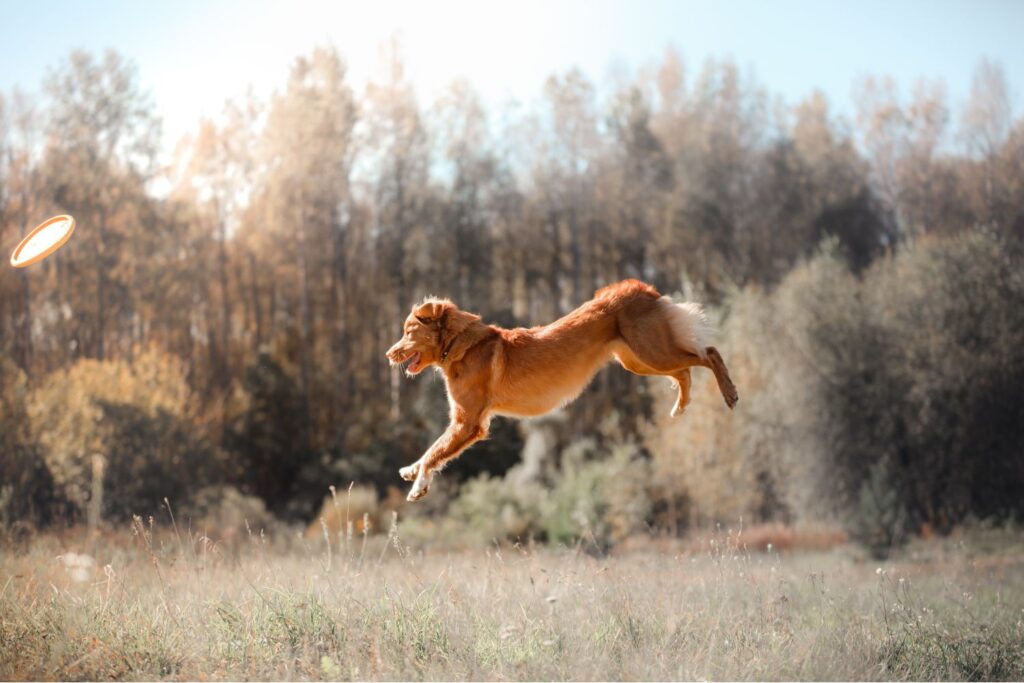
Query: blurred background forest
x,y
214,333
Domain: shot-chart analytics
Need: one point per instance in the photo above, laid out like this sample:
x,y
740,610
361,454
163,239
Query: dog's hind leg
x,y
679,361
725,385
628,359
682,379
651,349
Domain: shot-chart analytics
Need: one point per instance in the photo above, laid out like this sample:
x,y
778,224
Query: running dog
x,y
522,372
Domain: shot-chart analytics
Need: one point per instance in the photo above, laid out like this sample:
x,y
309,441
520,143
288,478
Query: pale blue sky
x,y
192,55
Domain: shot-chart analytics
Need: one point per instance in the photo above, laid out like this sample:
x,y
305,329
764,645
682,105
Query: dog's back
x,y
544,367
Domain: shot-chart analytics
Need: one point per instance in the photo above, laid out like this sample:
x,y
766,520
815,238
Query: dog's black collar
x,y
444,351
440,335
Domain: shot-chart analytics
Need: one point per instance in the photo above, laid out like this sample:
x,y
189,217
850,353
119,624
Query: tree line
x,y
270,262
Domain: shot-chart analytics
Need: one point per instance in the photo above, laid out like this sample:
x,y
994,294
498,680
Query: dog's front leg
x,y
459,436
412,472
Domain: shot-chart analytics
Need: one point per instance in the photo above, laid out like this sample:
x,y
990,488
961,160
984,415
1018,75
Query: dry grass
x,y
177,606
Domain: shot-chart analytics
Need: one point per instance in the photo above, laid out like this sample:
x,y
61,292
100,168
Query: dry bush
x,y
886,401
136,419
357,505
715,465
914,374
952,314
224,512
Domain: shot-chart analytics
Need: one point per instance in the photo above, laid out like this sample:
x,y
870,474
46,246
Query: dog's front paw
x,y
410,473
419,489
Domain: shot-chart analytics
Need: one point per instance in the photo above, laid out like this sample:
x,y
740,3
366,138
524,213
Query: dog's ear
x,y
430,312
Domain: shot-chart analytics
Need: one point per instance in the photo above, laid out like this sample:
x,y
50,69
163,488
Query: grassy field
x,y
165,605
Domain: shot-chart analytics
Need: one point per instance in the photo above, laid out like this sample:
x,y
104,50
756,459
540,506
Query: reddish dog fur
x,y
521,372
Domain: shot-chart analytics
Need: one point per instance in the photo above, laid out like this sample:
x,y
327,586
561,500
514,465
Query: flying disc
x,y
48,237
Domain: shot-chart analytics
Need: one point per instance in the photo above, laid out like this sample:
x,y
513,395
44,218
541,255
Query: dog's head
x,y
424,334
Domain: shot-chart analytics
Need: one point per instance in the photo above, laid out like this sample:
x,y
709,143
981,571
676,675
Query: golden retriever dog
x,y
491,371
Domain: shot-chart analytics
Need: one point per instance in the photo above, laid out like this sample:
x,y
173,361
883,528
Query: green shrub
x,y
496,508
601,501
595,496
880,519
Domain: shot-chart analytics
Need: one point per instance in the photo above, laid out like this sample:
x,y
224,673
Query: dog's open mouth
x,y
414,363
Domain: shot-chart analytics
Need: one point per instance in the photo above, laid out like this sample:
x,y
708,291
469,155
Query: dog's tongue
x,y
414,363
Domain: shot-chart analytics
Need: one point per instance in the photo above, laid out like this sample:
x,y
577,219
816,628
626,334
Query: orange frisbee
x,y
48,237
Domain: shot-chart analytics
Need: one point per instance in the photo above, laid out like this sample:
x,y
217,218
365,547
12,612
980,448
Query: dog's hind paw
x,y
731,398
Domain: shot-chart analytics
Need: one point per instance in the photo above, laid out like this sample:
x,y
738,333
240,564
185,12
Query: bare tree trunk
x,y
336,315
254,292
239,276
305,312
101,280
26,324
577,257
556,265
224,371
212,361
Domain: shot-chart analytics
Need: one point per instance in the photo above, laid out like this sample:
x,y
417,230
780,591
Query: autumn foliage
x,y
220,320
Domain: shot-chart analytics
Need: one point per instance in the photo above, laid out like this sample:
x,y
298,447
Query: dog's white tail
x,y
689,324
